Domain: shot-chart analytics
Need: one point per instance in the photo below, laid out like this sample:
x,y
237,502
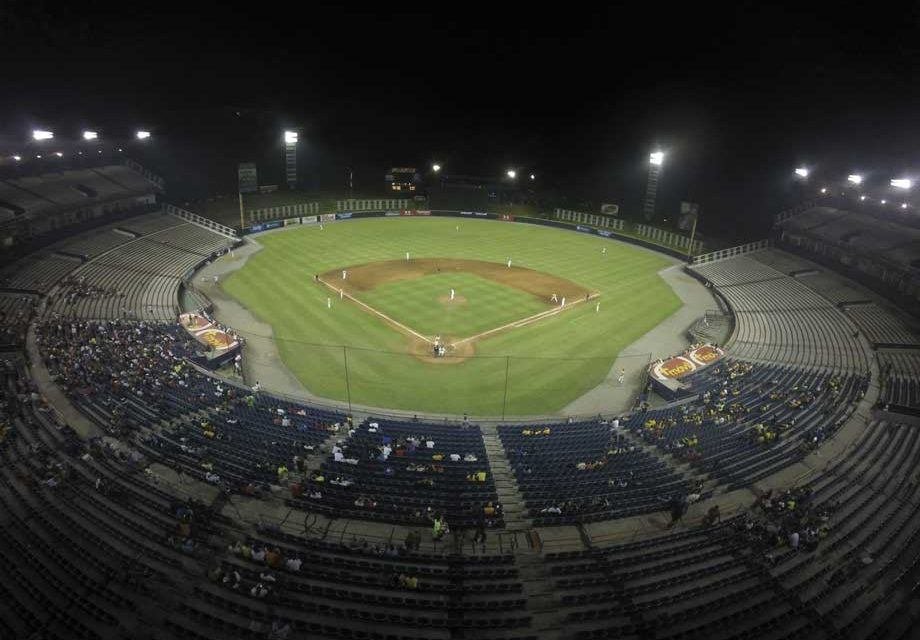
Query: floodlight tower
x,y
290,157
655,160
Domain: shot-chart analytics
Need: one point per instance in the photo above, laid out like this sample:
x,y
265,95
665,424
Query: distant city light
x,y
436,167
142,135
511,173
290,137
902,183
855,178
39,134
90,135
656,158
801,172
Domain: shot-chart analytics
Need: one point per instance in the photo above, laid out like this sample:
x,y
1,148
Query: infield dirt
x,y
367,276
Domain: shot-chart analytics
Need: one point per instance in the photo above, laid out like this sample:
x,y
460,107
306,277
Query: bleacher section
x,y
583,472
391,474
779,319
37,272
900,377
137,278
750,421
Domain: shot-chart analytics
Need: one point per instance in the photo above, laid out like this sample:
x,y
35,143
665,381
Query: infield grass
x,y
424,305
546,365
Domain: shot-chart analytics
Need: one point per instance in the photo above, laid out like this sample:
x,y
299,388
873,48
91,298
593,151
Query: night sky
x,y
737,96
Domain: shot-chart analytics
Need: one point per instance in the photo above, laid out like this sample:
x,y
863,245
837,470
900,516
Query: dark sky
x,y
737,96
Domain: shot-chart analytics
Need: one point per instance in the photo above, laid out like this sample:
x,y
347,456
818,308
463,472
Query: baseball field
x,y
527,318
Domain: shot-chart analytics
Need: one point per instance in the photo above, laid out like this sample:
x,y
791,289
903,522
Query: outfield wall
x,y
483,215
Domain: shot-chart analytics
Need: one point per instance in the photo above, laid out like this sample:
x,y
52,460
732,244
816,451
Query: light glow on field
x,y
550,363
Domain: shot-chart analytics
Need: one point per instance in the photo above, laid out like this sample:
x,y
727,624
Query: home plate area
x,y
445,305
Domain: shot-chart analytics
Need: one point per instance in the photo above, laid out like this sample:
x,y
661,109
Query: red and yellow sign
x,y
207,333
680,366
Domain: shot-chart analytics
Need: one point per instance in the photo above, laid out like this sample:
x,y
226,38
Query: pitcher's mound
x,y
457,301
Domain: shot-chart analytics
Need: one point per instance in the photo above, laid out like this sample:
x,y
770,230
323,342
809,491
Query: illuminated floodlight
x,y
801,172
119,149
90,135
884,202
511,173
38,156
290,137
17,158
656,158
435,167
901,183
903,205
99,151
823,189
39,134
862,198
59,154
533,177
854,178
142,135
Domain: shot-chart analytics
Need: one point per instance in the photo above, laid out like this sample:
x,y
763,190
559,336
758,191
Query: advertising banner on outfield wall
x,y
343,216
507,217
392,214
309,219
408,212
328,217
289,221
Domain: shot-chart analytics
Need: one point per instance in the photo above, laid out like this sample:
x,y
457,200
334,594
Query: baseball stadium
x,y
451,322
382,420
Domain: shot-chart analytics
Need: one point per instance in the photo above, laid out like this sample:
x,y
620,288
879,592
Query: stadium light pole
x,y
291,138
142,135
90,135
511,173
436,167
801,172
655,160
42,134
902,183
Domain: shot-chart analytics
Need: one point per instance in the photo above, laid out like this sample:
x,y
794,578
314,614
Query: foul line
x,y
345,294
511,325
529,320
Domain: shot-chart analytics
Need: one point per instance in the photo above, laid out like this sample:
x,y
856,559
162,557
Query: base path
x,y
367,276
341,288
338,289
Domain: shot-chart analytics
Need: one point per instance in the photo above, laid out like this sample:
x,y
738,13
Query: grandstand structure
x,y
142,496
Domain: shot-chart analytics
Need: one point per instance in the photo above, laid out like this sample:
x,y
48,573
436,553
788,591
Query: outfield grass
x,y
548,364
481,304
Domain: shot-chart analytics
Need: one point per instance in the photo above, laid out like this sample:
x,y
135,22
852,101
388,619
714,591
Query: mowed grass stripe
x,y
480,304
552,362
